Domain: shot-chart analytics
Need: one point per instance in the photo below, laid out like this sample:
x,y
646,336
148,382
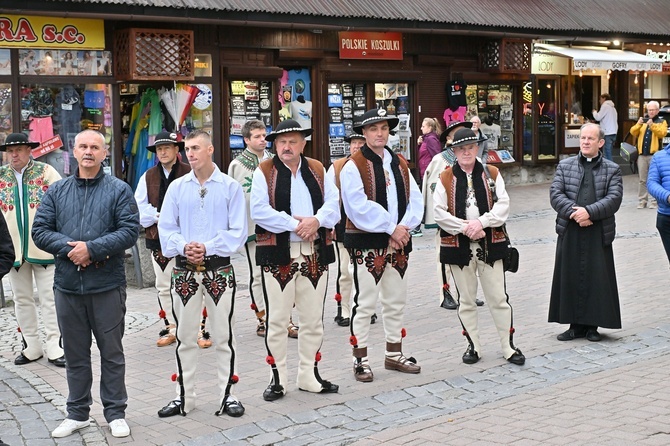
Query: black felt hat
x,y
288,126
17,139
166,138
463,137
451,127
353,136
373,116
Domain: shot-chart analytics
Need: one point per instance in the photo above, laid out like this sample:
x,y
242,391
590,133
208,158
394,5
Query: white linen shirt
x,y
301,205
491,219
370,216
148,212
218,220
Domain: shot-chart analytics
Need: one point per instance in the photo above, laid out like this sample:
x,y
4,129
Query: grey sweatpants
x,y
103,315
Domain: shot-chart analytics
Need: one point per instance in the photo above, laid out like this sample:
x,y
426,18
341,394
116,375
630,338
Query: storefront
x,y
569,81
55,80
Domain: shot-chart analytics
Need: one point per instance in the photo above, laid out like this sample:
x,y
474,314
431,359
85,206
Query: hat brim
x,y
465,142
451,128
32,145
352,137
271,137
392,122
179,144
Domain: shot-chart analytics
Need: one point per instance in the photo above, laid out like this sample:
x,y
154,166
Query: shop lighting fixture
x,y
580,73
593,71
616,42
609,73
645,74
635,81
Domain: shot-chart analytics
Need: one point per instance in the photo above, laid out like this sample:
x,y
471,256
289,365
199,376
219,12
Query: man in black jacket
x,y
87,221
586,193
6,248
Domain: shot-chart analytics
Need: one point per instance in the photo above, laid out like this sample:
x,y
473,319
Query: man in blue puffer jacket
x,y
658,185
87,221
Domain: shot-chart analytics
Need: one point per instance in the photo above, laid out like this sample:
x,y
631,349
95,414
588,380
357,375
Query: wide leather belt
x,y
210,263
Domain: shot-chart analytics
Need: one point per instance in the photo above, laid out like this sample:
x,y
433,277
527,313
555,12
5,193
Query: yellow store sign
x,y
51,32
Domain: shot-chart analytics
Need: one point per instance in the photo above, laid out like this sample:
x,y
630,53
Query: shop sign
x,y
368,45
663,56
548,64
47,146
579,65
571,138
51,32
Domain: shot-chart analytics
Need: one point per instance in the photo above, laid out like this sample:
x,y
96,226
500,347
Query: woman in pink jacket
x,y
429,143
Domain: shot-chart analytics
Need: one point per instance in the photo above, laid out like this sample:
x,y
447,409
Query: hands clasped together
x,y
581,216
307,228
195,253
79,254
474,229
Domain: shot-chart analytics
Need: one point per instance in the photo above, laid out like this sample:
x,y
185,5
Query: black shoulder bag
x,y
511,262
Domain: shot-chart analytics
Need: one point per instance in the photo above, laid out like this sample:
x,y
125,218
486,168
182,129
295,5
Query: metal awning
x,y
586,58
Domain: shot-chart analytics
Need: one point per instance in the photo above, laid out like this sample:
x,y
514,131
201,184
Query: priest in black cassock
x,y
586,193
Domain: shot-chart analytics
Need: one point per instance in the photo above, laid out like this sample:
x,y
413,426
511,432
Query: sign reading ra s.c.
x,y
51,32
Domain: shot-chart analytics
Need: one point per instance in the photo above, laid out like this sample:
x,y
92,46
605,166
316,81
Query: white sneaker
x,y
119,428
68,427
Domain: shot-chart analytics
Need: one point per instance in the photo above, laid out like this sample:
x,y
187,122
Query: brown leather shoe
x,y
260,328
401,364
363,373
292,330
203,339
166,339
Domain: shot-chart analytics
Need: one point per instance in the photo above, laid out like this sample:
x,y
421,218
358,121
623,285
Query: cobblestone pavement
x,y
611,392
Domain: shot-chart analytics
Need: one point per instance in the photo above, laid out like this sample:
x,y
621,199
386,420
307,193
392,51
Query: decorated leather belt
x,y
210,263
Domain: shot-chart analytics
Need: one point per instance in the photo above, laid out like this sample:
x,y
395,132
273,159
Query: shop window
x,y
5,114
148,110
547,126
64,62
53,114
250,99
657,88
5,62
203,65
346,104
581,98
494,104
395,99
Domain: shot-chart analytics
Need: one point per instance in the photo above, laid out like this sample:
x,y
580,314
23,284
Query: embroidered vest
x,y
455,249
37,178
275,249
157,185
370,167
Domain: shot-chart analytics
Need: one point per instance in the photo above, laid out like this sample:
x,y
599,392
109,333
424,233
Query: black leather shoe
x,y
170,410
327,387
571,334
233,408
373,318
58,362
273,393
593,335
343,322
479,302
470,356
448,302
22,360
517,358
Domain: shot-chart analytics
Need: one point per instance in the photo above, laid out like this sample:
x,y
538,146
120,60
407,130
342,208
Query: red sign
x,y
47,146
364,45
